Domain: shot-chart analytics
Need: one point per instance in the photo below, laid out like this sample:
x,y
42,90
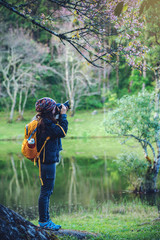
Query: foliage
x,y
125,34
137,81
90,102
134,115
124,74
111,100
152,34
94,23
148,40
135,118
120,35
132,167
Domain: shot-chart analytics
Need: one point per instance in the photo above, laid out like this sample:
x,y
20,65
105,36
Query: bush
x,y
132,168
90,102
136,81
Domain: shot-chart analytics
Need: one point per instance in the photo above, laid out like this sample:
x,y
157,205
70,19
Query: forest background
x,y
35,63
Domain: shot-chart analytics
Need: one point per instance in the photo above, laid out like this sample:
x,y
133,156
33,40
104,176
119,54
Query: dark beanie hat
x,y
45,105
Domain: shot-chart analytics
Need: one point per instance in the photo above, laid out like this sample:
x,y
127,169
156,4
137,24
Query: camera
x,y
66,104
59,106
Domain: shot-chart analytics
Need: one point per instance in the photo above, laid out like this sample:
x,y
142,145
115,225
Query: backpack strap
x,y
61,129
38,154
38,158
31,133
39,164
27,129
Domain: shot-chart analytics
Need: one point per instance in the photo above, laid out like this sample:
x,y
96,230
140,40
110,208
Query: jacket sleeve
x,y
59,130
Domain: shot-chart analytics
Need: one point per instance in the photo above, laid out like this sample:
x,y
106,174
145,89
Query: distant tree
x,y
77,80
20,59
136,117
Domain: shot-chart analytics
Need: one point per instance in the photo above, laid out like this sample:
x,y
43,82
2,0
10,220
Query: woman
x,y
48,126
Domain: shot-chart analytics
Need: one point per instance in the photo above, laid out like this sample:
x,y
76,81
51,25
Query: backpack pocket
x,y
28,152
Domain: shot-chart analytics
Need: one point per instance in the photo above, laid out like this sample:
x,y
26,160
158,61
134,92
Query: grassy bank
x,y
83,124
79,142
115,221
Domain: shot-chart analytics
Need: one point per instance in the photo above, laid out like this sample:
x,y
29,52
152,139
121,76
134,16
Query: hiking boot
x,y
50,225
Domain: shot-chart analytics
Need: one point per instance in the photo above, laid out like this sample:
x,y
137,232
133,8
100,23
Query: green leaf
x,y
118,9
125,7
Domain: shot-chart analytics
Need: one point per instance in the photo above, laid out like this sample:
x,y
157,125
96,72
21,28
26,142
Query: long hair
x,y
41,116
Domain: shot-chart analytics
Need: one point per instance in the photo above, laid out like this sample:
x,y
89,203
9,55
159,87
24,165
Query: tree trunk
x,y
14,98
24,102
108,77
149,185
12,110
117,71
153,170
103,94
67,80
99,79
20,101
72,111
157,134
13,226
144,69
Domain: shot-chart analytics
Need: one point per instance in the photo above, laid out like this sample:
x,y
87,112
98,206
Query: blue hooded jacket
x,y
52,148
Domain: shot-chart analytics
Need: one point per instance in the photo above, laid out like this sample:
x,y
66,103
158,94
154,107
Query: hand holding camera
x,y
63,110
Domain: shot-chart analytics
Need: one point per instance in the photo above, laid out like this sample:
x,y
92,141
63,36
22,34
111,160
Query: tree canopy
x,y
94,23
136,117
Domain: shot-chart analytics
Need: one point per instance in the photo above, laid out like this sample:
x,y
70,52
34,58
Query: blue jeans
x,y
48,173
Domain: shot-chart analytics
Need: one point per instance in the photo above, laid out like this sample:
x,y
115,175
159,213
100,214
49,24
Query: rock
x,y
94,112
15,227
78,120
95,157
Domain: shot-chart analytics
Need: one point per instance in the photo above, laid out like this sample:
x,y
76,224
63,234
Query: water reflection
x,y
80,182
72,193
14,180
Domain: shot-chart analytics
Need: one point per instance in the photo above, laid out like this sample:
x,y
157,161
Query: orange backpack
x,y
27,151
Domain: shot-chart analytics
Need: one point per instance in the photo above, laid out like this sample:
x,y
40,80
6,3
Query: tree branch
x,y
13,9
61,36
144,146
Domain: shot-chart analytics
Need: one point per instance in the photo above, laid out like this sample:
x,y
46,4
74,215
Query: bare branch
x,y
93,22
140,140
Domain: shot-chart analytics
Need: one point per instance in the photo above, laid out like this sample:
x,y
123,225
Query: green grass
x,y
14,130
81,126
115,221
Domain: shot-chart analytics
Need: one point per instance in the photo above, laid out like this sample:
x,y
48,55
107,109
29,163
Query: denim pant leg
x,y
48,173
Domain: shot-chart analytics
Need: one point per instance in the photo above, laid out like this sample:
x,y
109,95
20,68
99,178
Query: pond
x,y
82,180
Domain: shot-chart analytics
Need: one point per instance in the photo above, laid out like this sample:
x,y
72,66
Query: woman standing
x,y
48,126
